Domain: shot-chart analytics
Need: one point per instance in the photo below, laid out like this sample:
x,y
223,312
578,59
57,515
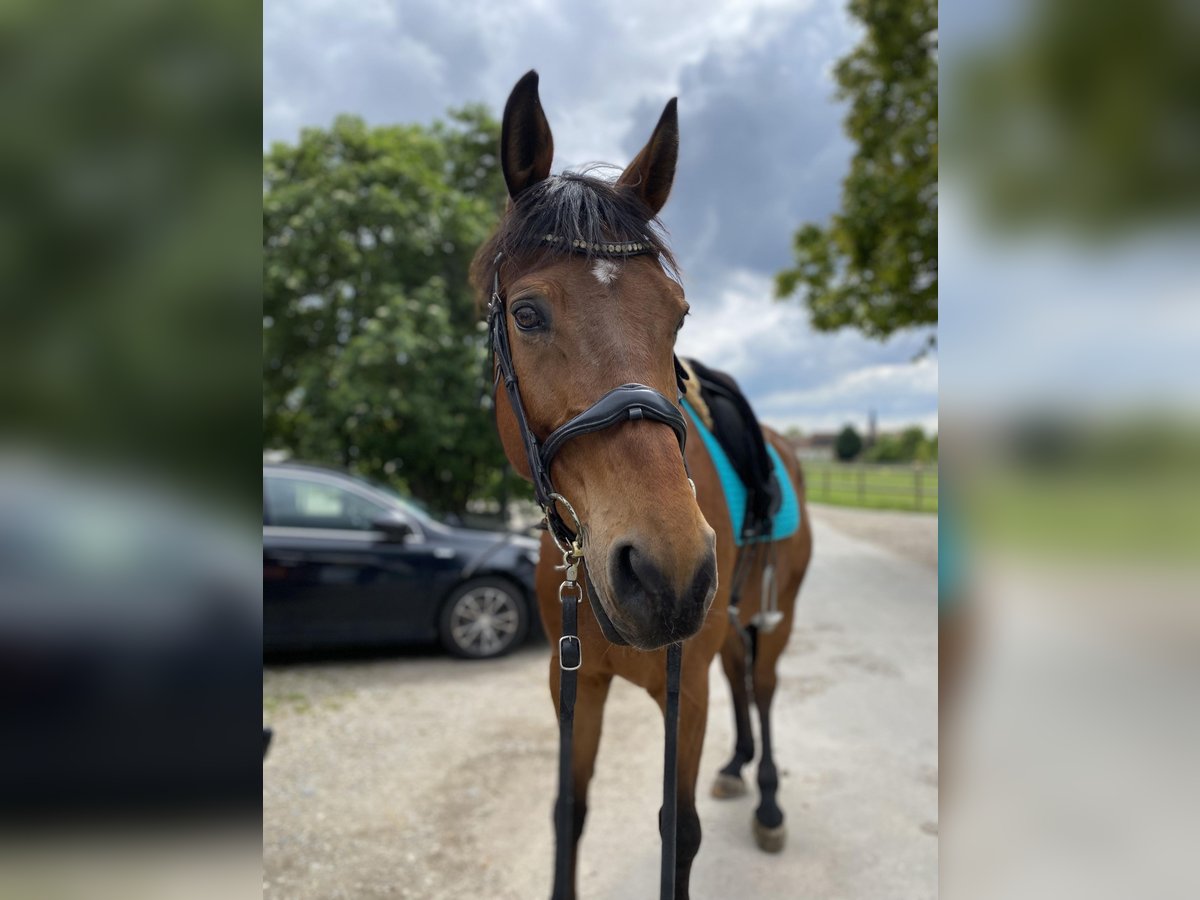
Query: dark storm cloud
x,y
761,146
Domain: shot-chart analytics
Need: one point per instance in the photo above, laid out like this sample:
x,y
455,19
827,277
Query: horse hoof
x,y
726,787
770,840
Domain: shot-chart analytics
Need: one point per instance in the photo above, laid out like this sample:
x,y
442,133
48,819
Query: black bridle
x,y
627,402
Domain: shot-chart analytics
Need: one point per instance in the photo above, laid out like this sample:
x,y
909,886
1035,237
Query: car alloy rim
x,y
484,621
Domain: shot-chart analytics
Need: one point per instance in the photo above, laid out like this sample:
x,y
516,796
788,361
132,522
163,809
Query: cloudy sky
x,y
762,150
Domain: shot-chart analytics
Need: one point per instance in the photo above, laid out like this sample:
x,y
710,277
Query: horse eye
x,y
527,318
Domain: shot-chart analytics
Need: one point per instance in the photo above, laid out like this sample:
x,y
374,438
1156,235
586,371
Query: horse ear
x,y
526,145
653,170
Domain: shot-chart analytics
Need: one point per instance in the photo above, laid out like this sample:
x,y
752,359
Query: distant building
x,y
818,446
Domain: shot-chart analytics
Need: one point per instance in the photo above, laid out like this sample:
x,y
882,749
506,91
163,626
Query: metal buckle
x,y
578,643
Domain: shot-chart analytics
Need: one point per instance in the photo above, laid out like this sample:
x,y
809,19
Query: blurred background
x,y
1069,217
130,611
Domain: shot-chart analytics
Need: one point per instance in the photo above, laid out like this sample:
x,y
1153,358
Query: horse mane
x,y
572,206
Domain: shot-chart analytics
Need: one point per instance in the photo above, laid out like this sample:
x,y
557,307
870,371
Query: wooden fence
x,y
900,486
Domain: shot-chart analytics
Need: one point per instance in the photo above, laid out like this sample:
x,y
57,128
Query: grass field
x,y
913,488
1070,515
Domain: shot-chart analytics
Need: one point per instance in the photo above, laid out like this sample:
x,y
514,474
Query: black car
x,y
346,562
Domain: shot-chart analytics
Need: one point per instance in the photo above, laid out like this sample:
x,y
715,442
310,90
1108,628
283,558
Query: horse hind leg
x,y
735,656
770,832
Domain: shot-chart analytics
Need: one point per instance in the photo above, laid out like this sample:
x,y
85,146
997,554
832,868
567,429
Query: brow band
x,y
627,248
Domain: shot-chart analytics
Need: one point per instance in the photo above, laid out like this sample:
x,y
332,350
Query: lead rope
x,y
570,659
670,772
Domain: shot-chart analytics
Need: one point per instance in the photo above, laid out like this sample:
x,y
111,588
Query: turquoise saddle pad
x,y
787,520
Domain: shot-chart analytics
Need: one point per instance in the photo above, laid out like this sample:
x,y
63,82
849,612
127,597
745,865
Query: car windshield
x,y
412,507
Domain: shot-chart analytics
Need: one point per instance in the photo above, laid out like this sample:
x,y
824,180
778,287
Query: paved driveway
x,y
421,776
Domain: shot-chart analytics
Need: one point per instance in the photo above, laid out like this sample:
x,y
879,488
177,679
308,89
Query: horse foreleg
x,y
693,718
589,714
734,660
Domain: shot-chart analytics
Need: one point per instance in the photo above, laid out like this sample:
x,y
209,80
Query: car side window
x,y
299,503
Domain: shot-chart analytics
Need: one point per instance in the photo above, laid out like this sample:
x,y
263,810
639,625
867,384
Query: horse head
x,y
582,279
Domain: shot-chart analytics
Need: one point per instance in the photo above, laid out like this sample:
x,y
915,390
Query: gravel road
x,y
419,776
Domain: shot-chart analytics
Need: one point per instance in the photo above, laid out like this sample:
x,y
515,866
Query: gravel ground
x,y
419,776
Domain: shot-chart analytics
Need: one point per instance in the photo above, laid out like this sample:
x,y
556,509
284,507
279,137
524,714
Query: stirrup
x,y
768,616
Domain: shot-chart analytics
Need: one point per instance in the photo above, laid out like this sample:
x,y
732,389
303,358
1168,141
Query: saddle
x,y
724,409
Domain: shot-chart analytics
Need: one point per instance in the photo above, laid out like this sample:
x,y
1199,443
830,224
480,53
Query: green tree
x,y
910,445
912,442
886,449
1083,116
848,444
374,357
874,265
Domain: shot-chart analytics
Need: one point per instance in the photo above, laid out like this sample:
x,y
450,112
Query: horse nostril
x,y
635,574
624,576
705,580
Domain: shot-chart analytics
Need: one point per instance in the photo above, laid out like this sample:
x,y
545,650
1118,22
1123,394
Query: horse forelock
x,y
577,214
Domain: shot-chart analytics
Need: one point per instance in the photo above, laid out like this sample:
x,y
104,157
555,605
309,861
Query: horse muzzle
x,y
638,603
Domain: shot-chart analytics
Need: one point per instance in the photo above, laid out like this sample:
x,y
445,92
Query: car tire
x,y
484,618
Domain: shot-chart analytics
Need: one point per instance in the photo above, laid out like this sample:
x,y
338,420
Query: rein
x,y
628,402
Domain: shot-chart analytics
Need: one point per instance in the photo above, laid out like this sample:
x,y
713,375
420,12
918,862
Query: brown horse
x,y
583,323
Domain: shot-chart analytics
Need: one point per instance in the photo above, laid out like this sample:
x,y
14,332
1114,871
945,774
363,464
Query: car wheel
x,y
484,618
